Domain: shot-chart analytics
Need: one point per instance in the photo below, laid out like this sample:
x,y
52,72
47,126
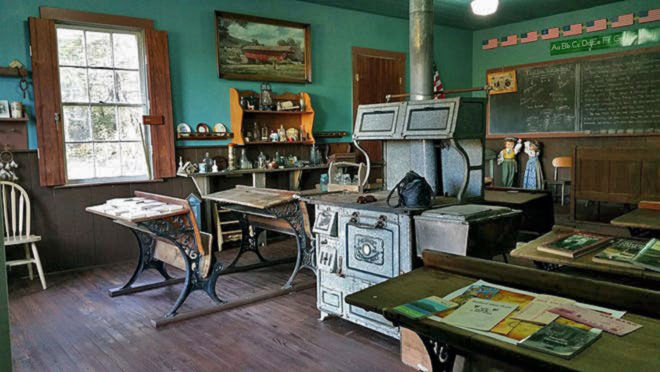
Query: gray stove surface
x,y
349,200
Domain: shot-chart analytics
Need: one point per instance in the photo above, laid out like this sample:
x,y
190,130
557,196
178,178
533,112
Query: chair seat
x,y
13,240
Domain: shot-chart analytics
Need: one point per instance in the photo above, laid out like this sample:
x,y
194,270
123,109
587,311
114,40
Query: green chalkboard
x,y
613,94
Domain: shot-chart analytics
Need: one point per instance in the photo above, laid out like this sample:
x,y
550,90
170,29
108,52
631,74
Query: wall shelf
x,y
8,71
14,120
251,143
204,137
242,119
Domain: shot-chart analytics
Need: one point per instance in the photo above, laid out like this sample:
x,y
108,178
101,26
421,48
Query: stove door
x,y
370,248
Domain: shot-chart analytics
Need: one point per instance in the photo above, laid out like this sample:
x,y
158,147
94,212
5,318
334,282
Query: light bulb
x,y
484,7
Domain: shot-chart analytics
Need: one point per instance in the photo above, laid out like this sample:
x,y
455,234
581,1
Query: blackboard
x,y
614,94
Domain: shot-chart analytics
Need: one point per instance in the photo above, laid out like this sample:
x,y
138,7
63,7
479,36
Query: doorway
x,y
376,73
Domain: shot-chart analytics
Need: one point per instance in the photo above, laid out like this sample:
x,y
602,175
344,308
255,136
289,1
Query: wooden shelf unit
x,y
8,71
272,119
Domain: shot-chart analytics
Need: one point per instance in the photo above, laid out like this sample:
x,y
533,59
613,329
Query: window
x,y
103,92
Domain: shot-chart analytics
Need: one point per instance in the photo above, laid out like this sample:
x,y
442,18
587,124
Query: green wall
x,y
540,50
197,93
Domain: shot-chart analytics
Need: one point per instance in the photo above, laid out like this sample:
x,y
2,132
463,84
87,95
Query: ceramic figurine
x,y
214,168
507,159
274,137
533,177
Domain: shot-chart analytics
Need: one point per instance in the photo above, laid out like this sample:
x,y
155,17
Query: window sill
x,y
108,183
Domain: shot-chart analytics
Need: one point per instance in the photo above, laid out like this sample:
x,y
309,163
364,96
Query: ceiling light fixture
x,y
484,7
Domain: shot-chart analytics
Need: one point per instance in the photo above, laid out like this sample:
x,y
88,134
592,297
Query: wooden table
x,y
274,210
536,205
445,273
528,251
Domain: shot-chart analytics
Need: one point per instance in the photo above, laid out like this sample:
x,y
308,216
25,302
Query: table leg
x,y
145,261
441,355
292,214
178,231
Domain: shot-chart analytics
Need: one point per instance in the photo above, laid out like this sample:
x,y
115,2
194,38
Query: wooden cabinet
x,y
242,120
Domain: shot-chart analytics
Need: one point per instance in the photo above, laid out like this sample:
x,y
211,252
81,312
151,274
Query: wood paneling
x,y
72,238
47,101
160,103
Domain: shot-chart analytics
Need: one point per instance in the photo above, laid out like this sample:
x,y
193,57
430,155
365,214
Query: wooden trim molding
x,y
77,16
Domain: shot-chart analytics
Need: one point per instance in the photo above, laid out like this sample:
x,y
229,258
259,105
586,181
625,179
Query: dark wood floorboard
x,y
76,326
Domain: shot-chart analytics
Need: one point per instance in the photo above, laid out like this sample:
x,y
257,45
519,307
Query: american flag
x,y
438,89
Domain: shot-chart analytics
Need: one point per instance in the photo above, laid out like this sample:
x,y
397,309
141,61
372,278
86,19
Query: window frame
x,y
144,96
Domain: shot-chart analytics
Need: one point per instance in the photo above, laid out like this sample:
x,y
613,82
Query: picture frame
x,y
262,49
4,109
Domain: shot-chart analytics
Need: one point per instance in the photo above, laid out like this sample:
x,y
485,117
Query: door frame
x,y
387,54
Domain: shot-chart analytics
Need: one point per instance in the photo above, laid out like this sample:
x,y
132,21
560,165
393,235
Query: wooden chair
x,y
16,216
558,163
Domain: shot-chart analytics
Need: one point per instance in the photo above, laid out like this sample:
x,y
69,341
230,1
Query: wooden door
x,y
376,73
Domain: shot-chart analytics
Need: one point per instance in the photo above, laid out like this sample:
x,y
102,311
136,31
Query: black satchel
x,y
414,192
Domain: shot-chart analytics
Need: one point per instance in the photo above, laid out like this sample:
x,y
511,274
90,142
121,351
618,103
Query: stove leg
x,y
441,356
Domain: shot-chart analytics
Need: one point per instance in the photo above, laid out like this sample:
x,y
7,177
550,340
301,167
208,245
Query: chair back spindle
x,y
15,210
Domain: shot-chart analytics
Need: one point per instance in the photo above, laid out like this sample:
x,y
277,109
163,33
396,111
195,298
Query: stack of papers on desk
x,y
134,208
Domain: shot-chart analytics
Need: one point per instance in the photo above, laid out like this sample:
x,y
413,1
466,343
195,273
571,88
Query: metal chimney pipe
x,y
421,49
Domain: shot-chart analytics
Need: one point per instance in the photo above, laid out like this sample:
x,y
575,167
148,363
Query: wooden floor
x,y
76,326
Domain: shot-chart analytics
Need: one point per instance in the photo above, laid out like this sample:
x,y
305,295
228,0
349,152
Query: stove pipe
x,y
421,49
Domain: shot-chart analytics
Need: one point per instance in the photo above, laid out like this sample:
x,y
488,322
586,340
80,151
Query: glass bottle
x,y
324,182
261,161
208,161
245,162
231,155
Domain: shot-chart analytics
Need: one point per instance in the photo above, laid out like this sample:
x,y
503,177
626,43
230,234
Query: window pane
x,y
79,161
126,51
101,86
99,50
133,162
107,160
76,124
74,84
104,123
70,49
128,87
130,123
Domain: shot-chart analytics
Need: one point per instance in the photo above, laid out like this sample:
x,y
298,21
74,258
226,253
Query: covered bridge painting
x,y
255,48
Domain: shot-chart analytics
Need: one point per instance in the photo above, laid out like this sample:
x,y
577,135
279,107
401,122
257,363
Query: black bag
x,y
414,192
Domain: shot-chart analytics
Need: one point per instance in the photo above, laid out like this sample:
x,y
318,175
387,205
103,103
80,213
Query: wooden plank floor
x,y
76,326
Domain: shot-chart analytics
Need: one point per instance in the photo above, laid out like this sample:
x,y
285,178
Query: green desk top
x,y
637,351
639,218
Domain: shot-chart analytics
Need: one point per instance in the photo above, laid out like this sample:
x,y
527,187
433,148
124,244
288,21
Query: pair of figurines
x,y
533,176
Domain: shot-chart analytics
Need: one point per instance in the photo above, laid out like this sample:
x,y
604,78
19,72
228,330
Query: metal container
x,y
469,230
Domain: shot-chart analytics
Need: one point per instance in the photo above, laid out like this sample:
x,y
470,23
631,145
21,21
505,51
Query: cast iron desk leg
x,y
306,258
146,261
177,230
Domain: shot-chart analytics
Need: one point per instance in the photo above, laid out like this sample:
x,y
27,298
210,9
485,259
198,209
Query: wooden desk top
x,y
635,351
639,218
512,197
529,251
253,197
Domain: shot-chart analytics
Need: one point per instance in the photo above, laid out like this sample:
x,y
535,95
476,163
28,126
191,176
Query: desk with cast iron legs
x,y
273,210
174,239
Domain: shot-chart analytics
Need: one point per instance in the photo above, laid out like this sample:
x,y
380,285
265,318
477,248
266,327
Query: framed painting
x,y
262,49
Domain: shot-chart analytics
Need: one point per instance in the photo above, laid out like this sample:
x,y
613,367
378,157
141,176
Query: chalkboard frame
x,y
490,135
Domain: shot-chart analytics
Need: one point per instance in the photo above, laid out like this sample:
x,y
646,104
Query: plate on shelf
x,y
219,128
203,128
183,129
